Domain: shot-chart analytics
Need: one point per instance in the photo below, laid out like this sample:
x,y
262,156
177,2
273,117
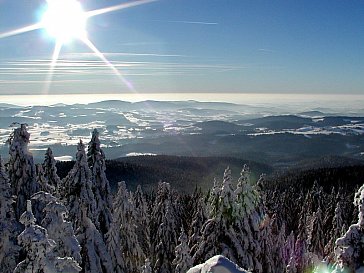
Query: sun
x,y
65,20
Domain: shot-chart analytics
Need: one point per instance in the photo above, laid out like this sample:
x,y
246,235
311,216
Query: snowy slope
x,y
217,264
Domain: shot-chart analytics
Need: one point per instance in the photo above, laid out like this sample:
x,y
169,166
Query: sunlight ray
x,y
57,50
118,7
21,30
107,62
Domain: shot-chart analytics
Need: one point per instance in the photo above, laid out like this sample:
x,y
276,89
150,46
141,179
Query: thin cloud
x,y
265,50
115,54
189,22
67,71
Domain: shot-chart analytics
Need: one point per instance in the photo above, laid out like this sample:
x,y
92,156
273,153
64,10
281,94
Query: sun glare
x,y
65,20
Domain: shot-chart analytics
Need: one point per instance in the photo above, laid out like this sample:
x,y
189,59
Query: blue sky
x,y
193,46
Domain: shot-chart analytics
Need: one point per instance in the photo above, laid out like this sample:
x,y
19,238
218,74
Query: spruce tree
x,y
77,189
94,253
221,233
167,241
79,199
183,259
21,169
100,184
113,246
142,219
199,218
316,237
43,180
61,231
50,172
124,214
350,247
162,200
251,215
40,201
8,249
39,249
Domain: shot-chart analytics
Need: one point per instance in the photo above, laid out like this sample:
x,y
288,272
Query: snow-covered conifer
x,y
21,169
316,234
101,187
39,249
167,241
350,247
8,249
289,248
183,259
142,219
124,214
336,230
223,233
61,231
251,215
77,189
42,180
95,257
163,197
213,197
40,201
199,218
113,247
50,172
302,256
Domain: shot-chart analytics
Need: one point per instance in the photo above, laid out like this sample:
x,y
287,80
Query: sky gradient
x,y
193,46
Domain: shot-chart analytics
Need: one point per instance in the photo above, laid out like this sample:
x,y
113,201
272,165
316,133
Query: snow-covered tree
x,y
113,247
8,249
77,191
350,247
94,253
101,187
42,180
162,200
50,172
228,230
183,259
61,231
251,215
21,168
316,234
142,219
302,255
199,218
124,214
288,250
40,201
167,241
338,223
39,249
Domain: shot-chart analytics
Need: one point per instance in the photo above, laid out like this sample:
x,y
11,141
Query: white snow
x,y
139,154
217,264
64,158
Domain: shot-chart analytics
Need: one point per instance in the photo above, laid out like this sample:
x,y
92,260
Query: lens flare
x,y
65,20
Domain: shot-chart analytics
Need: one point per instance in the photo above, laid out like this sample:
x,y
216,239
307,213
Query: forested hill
x,y
183,173
345,177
